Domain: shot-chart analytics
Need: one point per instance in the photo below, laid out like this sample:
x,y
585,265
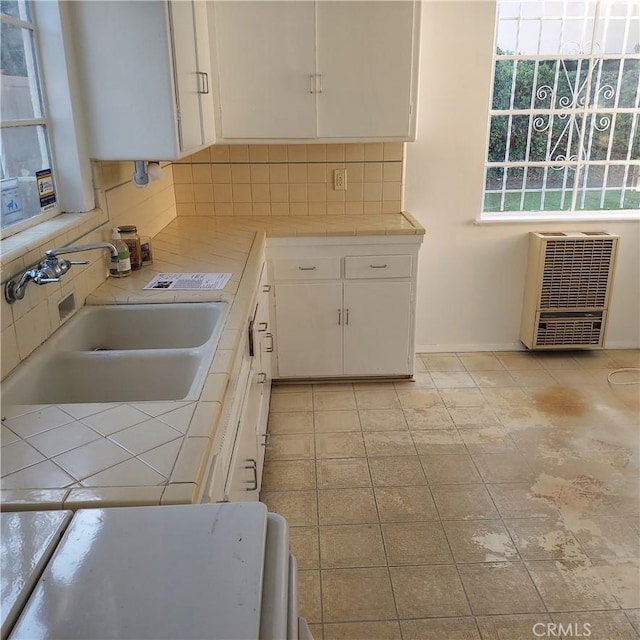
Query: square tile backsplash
x,y
295,179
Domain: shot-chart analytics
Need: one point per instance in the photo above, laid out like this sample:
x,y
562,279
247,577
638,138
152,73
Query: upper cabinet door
x,y
366,61
265,54
188,81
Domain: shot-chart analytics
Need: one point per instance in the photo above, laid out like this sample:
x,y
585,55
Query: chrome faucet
x,y
52,268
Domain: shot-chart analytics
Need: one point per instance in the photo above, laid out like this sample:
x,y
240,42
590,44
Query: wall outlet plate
x,y
340,179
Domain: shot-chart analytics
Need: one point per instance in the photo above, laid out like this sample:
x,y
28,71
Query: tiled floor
x,y
494,495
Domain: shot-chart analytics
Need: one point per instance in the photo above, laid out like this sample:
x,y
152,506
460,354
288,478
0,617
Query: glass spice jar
x,y
147,253
129,233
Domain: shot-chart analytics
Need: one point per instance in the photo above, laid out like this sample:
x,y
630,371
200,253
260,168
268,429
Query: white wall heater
x,y
567,289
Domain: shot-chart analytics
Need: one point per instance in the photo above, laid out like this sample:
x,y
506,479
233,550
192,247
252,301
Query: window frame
x,y
62,115
591,63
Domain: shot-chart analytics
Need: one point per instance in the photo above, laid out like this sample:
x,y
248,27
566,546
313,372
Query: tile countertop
x,y
82,455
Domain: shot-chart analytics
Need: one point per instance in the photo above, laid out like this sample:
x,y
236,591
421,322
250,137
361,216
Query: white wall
x,y
471,277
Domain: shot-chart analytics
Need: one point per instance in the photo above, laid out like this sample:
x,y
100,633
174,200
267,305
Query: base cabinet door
x,y
309,328
376,328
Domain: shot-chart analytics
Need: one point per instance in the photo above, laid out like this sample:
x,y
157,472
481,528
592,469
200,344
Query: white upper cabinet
x,y
145,77
316,71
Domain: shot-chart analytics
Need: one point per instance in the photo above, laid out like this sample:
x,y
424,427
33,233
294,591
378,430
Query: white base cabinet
x,y
344,310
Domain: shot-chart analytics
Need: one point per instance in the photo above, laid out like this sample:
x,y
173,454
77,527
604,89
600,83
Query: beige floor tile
x,y
419,398
382,419
396,471
443,362
416,543
440,629
421,380
450,469
291,402
333,400
339,445
622,577
543,539
386,630
343,473
428,591
480,541
602,537
336,421
357,595
518,361
305,547
452,379
458,398
389,443
633,616
599,625
309,596
514,627
493,378
486,440
405,504
474,417
509,466
441,441
533,379
294,446
346,506
481,362
431,418
377,399
500,588
515,500
290,422
522,417
567,585
298,507
358,545
464,502
289,475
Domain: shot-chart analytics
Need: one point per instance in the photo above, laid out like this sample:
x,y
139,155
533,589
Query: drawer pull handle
x,y
262,378
307,268
265,439
253,465
266,288
262,326
269,349
378,266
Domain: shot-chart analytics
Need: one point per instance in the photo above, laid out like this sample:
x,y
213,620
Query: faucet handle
x,y
46,280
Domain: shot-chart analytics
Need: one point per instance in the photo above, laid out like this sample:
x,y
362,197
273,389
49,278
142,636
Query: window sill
x,y
534,218
59,231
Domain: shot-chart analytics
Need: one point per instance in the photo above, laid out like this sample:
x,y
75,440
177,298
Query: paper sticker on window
x,y
46,190
10,197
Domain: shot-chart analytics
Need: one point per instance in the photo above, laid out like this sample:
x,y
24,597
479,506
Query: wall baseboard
x,y
513,346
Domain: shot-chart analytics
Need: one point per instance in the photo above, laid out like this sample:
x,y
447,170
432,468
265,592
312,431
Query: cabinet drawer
x,y
306,268
377,267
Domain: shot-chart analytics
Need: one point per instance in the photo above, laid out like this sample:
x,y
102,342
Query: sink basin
x,y
139,326
122,353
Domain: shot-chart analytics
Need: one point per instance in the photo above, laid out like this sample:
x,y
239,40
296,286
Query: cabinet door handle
x,y
262,378
312,83
253,465
378,266
269,349
262,326
346,316
265,439
266,288
205,82
318,83
339,317
307,268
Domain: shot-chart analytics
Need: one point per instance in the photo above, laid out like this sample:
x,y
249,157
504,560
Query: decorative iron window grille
x,y
564,130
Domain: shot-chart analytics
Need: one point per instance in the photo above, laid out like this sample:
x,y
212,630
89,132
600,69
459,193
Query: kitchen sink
x,y
122,353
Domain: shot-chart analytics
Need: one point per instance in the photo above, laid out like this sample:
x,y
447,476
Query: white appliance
x,y
214,571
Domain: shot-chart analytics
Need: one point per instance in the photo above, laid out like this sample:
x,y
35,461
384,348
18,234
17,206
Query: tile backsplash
x,y
29,322
295,179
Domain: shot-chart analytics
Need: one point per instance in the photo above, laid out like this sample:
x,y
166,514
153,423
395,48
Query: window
x,y
26,183
564,130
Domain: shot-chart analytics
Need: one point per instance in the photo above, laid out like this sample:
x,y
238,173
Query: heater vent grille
x,y
567,289
576,273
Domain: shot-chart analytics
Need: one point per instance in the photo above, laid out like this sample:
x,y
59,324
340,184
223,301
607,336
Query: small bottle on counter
x,y
119,267
129,235
146,251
